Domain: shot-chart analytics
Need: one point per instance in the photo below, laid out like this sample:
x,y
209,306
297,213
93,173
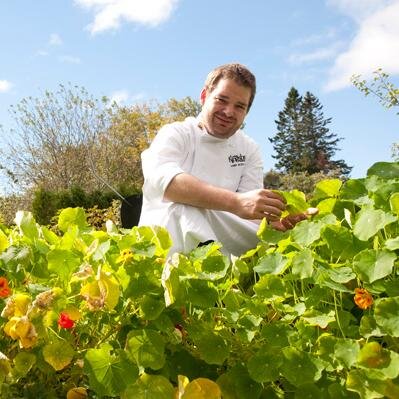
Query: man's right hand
x,y
257,204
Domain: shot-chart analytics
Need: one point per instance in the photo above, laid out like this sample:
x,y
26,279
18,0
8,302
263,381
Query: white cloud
x,y
359,9
320,54
123,97
109,14
5,86
69,59
375,45
55,40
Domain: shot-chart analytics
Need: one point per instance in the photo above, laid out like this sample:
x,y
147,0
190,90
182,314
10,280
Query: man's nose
x,y
229,110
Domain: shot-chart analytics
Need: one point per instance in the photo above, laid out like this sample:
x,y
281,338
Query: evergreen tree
x,y
287,141
303,142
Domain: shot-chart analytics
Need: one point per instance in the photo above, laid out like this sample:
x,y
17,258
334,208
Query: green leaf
x,y
27,224
295,201
353,189
264,365
306,232
346,351
379,362
277,334
302,264
72,217
386,170
392,244
58,354
270,286
237,384
147,348
386,313
201,293
150,387
298,367
269,235
394,203
327,188
23,362
368,327
274,263
109,375
367,388
340,242
213,348
370,221
63,263
151,307
316,318
371,265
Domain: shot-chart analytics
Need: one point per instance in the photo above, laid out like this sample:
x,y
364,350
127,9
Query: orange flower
x,y
363,298
5,290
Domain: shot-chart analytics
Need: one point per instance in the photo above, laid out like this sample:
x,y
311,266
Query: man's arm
x,y
256,204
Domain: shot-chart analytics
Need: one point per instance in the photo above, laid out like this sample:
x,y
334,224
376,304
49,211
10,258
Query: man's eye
x,y
220,100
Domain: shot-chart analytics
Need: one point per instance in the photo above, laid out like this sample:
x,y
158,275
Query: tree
x,y
287,141
303,142
68,138
48,146
387,93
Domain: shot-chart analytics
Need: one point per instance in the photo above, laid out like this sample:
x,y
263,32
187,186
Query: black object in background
x,y
131,210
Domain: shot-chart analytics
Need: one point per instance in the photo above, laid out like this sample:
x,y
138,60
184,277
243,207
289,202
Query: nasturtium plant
x,y
311,312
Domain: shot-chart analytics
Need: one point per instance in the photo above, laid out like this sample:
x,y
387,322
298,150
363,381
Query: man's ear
x,y
203,95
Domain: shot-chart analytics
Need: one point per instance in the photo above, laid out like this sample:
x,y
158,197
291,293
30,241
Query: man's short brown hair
x,y
237,72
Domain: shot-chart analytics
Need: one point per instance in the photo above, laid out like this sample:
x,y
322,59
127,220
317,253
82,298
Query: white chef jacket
x,y
234,163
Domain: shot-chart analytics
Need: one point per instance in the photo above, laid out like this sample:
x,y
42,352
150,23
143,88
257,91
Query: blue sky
x,y
140,50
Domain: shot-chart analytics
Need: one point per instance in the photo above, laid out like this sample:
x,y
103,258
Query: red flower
x,y
5,290
64,321
363,298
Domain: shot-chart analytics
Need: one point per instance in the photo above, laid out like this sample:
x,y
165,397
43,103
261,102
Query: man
x,y
203,178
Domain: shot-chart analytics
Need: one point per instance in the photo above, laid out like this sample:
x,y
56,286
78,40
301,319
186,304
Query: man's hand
x,y
290,221
257,204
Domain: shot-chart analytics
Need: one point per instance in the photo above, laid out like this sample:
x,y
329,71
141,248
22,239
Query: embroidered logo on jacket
x,y
237,160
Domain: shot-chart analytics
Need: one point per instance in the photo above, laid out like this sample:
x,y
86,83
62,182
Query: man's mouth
x,y
224,121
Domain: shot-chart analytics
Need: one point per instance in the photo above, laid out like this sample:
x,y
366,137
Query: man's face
x,y
224,108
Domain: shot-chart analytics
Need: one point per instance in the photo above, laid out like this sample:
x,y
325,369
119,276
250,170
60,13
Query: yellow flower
x,y
21,328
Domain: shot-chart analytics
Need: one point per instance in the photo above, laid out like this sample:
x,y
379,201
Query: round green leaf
x,y
23,362
370,221
72,217
298,367
152,307
274,263
109,375
147,348
212,347
264,365
150,387
386,313
371,265
394,203
302,264
386,170
58,354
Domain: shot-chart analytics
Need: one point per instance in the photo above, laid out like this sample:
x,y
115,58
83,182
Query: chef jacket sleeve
x,y
163,160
